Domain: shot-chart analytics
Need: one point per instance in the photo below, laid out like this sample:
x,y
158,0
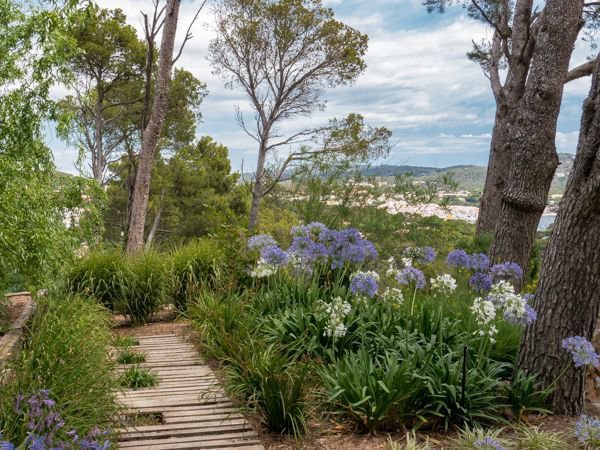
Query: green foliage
x,y
525,395
272,386
4,303
128,356
149,287
104,275
136,286
196,266
65,351
371,392
125,341
532,438
468,437
410,444
136,378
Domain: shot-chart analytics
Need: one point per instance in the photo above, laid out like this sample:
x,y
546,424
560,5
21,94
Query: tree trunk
x,y
497,171
508,98
151,134
567,296
154,228
98,150
533,134
257,190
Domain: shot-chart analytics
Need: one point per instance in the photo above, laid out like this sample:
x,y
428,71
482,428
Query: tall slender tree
x,y
567,297
282,53
533,132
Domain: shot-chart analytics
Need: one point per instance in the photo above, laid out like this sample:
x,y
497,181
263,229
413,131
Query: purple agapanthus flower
x,y
458,259
261,240
506,271
587,430
488,443
349,247
274,256
479,262
312,230
526,318
481,282
5,445
364,283
581,350
410,275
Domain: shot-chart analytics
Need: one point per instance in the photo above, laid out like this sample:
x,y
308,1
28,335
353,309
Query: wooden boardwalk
x,y
193,409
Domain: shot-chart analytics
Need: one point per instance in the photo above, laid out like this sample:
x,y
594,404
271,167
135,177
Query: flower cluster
x,y
411,275
506,271
364,283
488,443
581,350
421,255
393,296
480,281
259,241
45,426
337,311
587,431
485,314
443,284
312,244
458,259
479,262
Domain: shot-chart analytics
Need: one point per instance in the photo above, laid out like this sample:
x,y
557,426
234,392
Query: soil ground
x,y
16,305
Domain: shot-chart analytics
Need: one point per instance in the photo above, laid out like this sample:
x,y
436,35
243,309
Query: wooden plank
x,y
186,430
242,440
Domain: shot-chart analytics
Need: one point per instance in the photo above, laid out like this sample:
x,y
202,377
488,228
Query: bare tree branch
x,y
188,34
583,70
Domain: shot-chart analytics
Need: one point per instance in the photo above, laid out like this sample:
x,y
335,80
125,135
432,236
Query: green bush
x,y
136,286
148,287
272,386
197,265
104,275
373,393
66,352
525,395
128,356
136,378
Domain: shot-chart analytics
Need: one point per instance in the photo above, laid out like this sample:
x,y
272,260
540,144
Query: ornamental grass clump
x,y
136,377
65,353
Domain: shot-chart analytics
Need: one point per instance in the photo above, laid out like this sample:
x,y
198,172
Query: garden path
x,y
193,409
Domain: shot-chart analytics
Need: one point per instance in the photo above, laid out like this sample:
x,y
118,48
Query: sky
x,y
418,83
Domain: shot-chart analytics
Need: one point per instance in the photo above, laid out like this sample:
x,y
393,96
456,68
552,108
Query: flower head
x,y
443,284
458,259
393,296
337,310
422,255
488,443
485,314
506,271
410,275
587,431
479,262
581,350
480,281
273,255
261,240
364,283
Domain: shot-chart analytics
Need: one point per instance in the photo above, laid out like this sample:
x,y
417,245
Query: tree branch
x,y
188,34
581,71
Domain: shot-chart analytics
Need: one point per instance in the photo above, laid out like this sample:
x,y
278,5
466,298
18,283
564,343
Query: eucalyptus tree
x,y
282,54
526,61
567,296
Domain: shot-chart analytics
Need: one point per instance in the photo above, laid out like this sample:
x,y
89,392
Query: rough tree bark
x,y
567,296
532,136
257,189
507,96
151,134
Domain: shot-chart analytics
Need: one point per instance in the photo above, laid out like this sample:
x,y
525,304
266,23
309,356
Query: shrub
x,y
65,353
136,377
197,265
443,399
272,386
103,275
148,288
480,439
372,393
125,341
525,395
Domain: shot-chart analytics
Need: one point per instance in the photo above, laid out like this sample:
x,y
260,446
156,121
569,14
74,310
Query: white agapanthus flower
x,y
407,262
392,268
485,313
501,292
443,284
263,269
337,310
393,295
